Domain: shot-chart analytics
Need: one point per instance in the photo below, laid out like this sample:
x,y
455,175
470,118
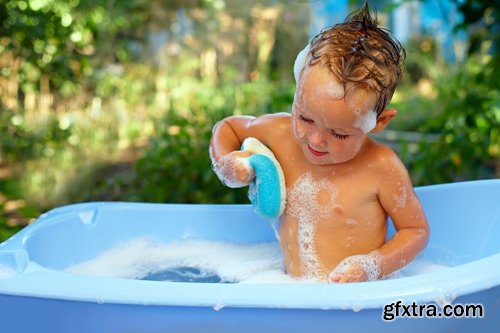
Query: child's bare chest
x,y
330,197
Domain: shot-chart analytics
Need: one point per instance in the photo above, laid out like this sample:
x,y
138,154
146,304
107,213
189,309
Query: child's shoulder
x,y
273,124
383,157
276,118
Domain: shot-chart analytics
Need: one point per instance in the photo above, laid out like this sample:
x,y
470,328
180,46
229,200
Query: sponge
x,y
267,192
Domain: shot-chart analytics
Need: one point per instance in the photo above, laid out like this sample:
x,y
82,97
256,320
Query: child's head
x,y
348,75
360,56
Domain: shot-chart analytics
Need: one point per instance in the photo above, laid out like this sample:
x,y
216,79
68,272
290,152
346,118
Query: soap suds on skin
x,y
369,263
366,122
226,167
400,198
332,90
351,222
305,207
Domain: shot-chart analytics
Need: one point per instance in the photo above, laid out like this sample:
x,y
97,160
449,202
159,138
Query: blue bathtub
x,y
37,295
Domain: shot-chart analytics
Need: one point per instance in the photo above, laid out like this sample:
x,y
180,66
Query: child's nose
x,y
316,138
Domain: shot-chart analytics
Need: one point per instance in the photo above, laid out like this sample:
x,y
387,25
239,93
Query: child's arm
x,y
229,162
398,199
412,230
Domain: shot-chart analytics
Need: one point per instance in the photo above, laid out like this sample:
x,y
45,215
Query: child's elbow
x,y
424,234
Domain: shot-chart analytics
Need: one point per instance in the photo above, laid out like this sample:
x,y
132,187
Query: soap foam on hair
x,y
300,61
366,122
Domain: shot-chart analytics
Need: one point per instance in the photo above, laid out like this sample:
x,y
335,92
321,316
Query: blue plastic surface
x,y
40,297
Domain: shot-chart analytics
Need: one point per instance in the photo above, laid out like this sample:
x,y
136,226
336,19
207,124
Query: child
x,y
341,184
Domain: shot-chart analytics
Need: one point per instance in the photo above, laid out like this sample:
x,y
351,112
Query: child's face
x,y
330,127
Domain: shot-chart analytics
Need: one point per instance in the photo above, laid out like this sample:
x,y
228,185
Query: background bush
x,y
88,112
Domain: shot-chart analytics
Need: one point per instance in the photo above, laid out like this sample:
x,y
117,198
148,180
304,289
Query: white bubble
x,y
357,307
351,223
299,63
444,298
332,90
366,122
218,306
350,240
400,198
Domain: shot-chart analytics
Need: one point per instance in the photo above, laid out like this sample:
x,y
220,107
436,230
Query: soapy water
x,y
205,261
187,261
184,274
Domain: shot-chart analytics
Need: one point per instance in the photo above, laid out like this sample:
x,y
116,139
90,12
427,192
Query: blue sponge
x,y
267,191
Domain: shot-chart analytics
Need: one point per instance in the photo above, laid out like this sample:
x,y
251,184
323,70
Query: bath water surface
x,y
203,261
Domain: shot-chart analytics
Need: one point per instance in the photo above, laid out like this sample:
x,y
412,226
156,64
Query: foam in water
x,y
189,261
202,261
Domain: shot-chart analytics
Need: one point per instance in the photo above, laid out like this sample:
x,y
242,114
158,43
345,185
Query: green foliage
x,y
467,120
11,212
140,131
424,55
5,230
465,106
61,39
481,19
176,166
22,139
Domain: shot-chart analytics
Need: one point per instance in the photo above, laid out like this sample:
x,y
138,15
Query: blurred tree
x,y
467,105
50,45
482,23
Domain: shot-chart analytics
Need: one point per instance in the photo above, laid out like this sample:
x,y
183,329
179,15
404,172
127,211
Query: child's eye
x,y
304,119
339,136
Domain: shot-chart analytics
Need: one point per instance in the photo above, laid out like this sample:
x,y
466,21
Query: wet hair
x,y
361,55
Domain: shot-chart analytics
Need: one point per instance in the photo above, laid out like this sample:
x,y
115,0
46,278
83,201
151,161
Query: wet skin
x,y
341,184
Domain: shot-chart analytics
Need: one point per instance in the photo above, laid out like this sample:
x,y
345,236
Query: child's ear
x,y
384,119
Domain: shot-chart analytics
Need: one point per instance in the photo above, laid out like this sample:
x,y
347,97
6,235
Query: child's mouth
x,y
316,153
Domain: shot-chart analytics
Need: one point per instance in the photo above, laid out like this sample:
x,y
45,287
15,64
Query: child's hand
x,y
357,268
234,170
352,274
